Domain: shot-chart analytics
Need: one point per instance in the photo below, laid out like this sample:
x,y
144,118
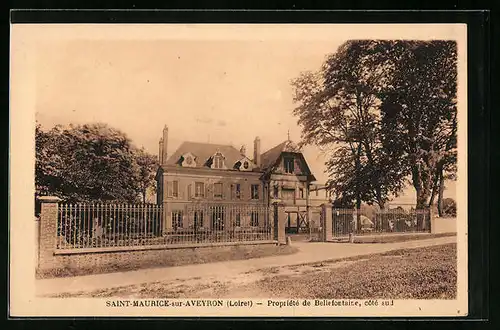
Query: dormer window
x,y
218,162
244,164
188,160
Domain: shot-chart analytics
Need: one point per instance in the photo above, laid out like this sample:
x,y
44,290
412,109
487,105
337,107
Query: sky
x,y
224,91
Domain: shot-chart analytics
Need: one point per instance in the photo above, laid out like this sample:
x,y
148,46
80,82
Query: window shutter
x,y
243,190
226,191
169,189
190,191
175,188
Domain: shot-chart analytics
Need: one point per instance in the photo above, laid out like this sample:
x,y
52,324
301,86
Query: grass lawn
x,y
398,237
421,273
425,273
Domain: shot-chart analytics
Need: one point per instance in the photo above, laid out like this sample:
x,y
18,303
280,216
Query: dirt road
x,y
219,278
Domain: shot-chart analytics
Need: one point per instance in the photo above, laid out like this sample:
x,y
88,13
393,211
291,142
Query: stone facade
x,y
202,172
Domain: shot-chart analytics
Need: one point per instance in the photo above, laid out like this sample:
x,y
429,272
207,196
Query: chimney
x,y
160,152
164,145
243,150
256,151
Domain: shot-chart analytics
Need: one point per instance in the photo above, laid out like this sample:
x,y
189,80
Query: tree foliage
x,y
148,165
420,114
91,162
339,108
386,111
449,207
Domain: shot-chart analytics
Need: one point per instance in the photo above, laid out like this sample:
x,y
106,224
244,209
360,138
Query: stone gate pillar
x,y
326,221
48,231
279,222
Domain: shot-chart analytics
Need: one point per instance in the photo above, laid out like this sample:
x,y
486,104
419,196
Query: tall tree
x,y
420,114
147,165
91,162
338,107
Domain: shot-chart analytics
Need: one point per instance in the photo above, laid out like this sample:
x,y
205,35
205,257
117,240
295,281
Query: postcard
x,y
245,170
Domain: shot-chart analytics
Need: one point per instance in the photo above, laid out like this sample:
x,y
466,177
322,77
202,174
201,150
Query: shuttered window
x,y
237,191
198,219
199,189
254,219
176,219
175,188
255,191
218,188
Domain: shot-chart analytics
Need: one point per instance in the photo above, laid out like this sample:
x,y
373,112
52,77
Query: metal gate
x,y
296,222
343,221
316,224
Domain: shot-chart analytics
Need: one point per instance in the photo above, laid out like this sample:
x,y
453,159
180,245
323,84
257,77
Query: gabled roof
x,y
204,151
270,157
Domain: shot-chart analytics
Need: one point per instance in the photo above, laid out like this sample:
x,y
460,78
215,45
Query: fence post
x,y
327,222
37,240
432,221
48,231
279,222
167,218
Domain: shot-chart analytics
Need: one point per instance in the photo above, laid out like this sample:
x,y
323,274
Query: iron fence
x,y
352,221
343,222
219,223
107,225
402,221
115,225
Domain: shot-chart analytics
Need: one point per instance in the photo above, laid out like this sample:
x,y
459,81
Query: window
x,y
237,220
254,219
237,191
289,164
245,165
218,190
218,213
173,188
317,193
198,219
218,161
255,191
276,192
199,189
301,193
176,219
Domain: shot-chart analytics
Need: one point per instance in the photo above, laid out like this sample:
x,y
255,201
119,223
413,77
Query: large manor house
x,y
222,174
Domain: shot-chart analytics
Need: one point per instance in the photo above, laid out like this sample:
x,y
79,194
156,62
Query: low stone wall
x,y
444,225
51,259
112,261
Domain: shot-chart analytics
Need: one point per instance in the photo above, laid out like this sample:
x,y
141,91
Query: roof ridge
x,y
276,146
209,143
